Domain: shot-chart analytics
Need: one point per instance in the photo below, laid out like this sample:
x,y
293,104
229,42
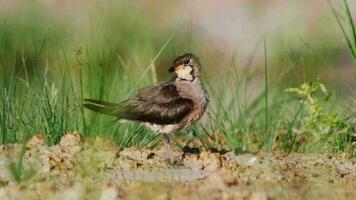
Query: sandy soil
x,y
95,168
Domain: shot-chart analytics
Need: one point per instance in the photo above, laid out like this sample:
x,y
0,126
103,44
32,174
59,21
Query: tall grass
x,y
347,27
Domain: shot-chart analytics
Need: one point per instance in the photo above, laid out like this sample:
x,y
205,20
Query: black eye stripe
x,y
186,62
192,72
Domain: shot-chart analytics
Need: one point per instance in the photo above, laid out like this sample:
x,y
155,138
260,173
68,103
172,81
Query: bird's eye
x,y
186,62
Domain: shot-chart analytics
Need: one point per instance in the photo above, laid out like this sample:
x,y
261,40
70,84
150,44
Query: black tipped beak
x,y
171,69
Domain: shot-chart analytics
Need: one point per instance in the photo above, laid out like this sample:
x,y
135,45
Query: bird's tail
x,y
112,109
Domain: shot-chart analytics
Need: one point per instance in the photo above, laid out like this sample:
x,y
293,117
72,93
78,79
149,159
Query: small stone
x,y
36,140
70,139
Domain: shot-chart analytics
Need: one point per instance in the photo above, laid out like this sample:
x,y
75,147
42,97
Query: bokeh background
x,y
54,53
299,33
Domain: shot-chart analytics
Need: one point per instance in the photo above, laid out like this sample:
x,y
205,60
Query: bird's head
x,y
186,66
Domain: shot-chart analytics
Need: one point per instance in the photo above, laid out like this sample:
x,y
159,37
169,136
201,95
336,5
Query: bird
x,y
166,107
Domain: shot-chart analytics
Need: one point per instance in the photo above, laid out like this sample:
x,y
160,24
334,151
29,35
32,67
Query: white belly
x,y
163,129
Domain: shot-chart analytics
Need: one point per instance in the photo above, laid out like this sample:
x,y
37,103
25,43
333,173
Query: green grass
x,y
348,27
48,67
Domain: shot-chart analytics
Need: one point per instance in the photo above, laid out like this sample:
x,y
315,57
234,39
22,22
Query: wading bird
x,y
167,107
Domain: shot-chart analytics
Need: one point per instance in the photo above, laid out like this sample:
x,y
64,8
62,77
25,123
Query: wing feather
x,y
159,104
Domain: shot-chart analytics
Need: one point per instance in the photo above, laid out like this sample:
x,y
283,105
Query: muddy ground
x,y
80,168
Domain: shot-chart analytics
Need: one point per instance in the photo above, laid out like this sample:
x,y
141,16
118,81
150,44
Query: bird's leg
x,y
167,142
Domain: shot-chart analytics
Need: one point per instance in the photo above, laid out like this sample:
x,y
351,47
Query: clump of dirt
x,y
95,168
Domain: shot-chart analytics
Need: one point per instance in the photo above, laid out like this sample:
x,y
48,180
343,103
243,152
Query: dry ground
x,y
91,168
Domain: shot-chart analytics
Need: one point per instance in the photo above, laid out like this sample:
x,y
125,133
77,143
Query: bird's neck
x,y
195,85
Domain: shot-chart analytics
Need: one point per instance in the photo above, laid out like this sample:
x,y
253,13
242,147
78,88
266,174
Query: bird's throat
x,y
185,74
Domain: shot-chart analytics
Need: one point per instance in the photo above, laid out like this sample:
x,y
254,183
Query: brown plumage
x,y
166,107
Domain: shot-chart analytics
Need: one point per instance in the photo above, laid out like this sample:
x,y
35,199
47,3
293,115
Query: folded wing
x,y
160,104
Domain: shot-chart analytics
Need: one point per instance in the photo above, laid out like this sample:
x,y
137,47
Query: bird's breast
x,y
192,90
196,92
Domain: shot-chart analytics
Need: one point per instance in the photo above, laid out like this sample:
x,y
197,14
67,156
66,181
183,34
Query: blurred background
x,y
54,53
299,34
